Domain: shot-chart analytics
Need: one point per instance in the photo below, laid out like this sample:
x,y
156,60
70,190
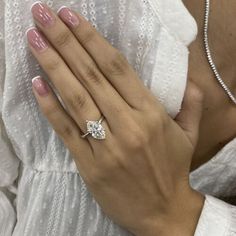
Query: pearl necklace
x,y
208,54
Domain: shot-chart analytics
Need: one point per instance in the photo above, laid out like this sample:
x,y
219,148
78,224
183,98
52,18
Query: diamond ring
x,y
95,128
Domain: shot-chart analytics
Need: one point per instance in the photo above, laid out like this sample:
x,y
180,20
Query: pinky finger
x,y
61,122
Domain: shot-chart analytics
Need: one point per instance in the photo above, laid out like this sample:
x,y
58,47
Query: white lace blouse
x,y
51,198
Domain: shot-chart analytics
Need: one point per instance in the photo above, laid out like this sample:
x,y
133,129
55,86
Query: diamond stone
x,y
96,129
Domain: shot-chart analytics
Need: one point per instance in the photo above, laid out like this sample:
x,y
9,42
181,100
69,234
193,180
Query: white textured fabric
x,y
52,199
217,177
217,218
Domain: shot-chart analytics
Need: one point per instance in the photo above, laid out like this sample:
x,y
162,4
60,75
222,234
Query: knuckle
x,y
195,93
158,119
65,130
118,64
77,101
88,36
52,64
155,117
91,74
137,139
50,110
117,162
63,38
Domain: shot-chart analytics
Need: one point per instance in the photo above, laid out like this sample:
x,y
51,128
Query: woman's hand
x,y
139,174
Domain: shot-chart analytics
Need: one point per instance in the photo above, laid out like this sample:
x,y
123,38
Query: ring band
x,y
95,128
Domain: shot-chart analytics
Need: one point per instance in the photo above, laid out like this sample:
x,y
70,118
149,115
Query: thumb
x,y
191,112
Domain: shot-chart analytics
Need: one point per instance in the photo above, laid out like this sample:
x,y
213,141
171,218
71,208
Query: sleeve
x,y
8,160
218,218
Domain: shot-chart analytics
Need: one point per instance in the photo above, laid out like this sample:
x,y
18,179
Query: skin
x,y
215,130
145,172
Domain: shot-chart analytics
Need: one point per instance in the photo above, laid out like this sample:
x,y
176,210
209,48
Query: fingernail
x,y
40,86
68,16
42,14
36,40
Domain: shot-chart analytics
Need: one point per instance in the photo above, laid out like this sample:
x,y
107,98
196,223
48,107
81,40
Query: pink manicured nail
x,y
40,86
36,40
69,17
42,14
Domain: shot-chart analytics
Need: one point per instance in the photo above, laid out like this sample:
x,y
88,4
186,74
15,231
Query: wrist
x,y
181,219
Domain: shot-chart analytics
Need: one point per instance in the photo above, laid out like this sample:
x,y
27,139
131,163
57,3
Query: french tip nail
x,y
40,86
61,8
35,78
30,28
35,4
